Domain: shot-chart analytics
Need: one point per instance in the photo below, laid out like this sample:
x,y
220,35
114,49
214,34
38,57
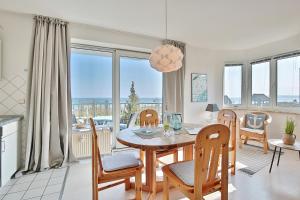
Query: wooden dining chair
x,y
199,177
149,117
117,167
228,118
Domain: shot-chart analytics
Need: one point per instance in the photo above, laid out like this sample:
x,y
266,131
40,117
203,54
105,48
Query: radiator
x,y
82,142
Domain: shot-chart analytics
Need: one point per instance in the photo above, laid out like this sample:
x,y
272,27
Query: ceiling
x,y
214,24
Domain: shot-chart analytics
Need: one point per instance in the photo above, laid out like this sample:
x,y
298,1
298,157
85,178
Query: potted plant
x,y
288,137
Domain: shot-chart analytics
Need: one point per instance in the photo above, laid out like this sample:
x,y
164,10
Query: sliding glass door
x,y
109,85
140,87
91,86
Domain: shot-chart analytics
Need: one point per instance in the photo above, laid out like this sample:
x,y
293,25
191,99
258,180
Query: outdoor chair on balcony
x,y
114,168
254,126
149,117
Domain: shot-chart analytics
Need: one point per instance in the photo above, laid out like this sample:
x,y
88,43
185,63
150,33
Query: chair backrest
x,y
97,169
228,118
132,120
268,116
148,117
211,142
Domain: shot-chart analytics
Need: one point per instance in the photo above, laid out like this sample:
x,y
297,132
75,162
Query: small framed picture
x,y
199,87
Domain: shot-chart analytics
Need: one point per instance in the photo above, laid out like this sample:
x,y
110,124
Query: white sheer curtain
x,y
48,97
173,84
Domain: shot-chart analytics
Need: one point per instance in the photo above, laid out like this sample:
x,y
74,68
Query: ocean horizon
x,y
109,100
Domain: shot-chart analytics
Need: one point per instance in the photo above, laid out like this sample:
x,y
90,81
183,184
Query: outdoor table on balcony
x,y
159,142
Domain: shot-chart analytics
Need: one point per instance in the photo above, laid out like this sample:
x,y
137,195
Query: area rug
x,y
251,159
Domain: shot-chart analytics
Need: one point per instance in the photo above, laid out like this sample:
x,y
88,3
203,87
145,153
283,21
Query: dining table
x,y
156,139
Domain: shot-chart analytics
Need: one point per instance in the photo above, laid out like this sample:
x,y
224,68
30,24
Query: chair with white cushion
x,y
113,168
255,126
199,177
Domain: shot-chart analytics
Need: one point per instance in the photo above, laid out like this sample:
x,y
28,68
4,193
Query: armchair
x,y
251,132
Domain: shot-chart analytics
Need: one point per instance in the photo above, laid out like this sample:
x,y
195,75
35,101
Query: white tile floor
x,y
46,185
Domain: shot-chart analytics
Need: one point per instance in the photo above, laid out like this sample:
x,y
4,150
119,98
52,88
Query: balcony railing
x,y
101,112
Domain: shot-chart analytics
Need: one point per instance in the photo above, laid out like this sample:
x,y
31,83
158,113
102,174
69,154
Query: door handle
x,y
3,146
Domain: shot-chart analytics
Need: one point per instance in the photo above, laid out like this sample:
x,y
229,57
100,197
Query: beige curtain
x,y
173,84
48,110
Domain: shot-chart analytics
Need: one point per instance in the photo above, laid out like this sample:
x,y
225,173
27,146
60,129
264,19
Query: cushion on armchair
x,y
255,121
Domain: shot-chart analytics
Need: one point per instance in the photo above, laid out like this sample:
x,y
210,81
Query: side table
x,y
278,143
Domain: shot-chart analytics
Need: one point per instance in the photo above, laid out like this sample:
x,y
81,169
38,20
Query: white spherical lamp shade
x,y
166,58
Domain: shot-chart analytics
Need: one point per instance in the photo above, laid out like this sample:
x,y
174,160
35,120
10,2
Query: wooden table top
x,y
279,143
159,141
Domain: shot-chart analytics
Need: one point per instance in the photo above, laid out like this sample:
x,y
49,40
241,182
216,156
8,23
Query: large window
x,y
109,85
271,82
288,75
91,87
233,84
140,87
260,94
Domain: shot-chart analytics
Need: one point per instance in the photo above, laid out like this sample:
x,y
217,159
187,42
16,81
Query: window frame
x,y
116,55
247,86
242,85
250,83
297,107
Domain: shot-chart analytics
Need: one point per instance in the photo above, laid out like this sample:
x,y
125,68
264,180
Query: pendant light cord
x,y
166,17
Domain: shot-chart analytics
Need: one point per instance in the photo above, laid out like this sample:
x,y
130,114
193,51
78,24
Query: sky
x,y
91,76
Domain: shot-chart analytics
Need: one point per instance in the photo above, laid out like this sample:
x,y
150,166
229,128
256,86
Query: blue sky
x,y
91,76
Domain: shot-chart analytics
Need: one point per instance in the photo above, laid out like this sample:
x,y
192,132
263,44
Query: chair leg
x,y
240,142
95,191
175,156
166,188
127,184
265,146
246,140
142,156
233,161
138,185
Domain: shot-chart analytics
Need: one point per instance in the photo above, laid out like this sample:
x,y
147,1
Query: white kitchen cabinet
x,y
9,151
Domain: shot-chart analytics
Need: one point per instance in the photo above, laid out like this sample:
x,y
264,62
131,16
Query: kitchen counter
x,y
6,119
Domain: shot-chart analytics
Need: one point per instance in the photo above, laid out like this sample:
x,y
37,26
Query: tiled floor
x,y
46,185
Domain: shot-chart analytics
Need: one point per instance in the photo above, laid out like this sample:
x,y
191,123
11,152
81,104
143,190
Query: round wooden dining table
x,y
158,142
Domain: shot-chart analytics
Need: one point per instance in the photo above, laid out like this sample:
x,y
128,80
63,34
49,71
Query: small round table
x,y
157,143
279,143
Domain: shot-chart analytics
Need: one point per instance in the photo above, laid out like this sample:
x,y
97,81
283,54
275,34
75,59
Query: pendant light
x,y
167,57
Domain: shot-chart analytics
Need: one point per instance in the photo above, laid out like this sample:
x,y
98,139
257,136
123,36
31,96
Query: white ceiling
x,y
215,24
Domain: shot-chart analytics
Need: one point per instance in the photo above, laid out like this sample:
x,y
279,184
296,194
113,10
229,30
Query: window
x,y
288,75
233,85
140,87
91,78
91,87
260,94
103,82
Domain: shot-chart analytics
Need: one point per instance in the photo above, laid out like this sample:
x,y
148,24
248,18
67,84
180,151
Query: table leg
x,y
151,173
188,152
272,159
299,154
279,156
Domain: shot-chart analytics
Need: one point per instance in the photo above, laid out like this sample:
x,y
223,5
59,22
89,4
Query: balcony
x,y
101,111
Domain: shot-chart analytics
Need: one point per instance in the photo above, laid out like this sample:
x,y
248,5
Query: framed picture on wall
x,y
199,87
